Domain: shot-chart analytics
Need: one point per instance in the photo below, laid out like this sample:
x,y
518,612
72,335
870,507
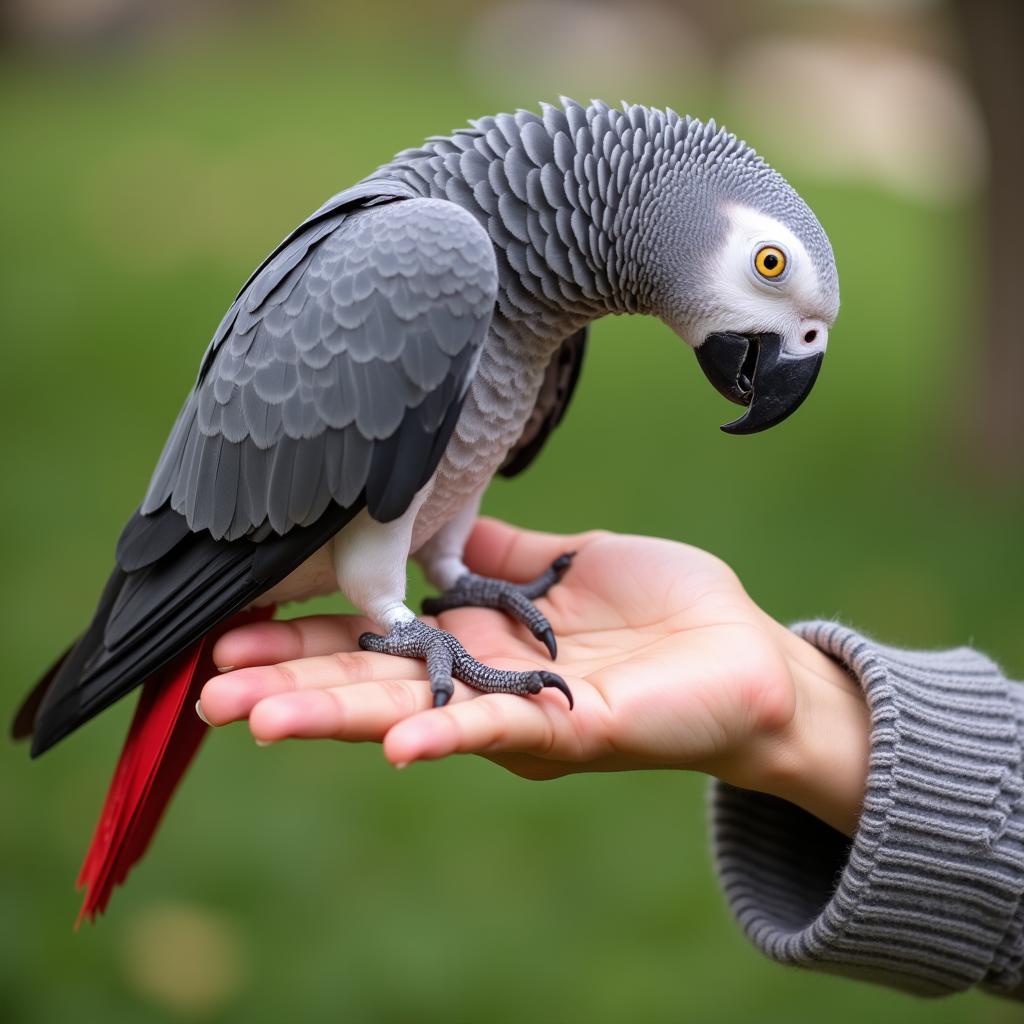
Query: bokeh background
x,y
153,152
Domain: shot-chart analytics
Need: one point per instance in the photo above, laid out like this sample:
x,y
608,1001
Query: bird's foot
x,y
516,599
446,657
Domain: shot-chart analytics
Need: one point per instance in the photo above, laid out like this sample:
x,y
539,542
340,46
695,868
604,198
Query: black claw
x,y
441,697
562,562
547,638
550,679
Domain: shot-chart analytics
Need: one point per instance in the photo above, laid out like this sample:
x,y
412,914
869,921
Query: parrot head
x,y
751,286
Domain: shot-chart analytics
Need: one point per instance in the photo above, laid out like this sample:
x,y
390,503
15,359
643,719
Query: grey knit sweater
x,y
928,897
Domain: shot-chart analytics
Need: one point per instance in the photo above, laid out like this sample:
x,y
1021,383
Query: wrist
x,y
825,768
817,759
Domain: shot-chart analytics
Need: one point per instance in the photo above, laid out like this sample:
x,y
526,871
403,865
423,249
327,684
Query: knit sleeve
x,y
928,896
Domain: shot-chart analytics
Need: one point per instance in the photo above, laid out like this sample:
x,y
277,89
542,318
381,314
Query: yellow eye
x,y
770,261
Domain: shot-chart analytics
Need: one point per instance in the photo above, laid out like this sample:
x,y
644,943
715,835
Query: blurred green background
x,y
153,154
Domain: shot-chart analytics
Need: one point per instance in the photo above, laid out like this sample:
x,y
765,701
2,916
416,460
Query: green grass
x,y
137,195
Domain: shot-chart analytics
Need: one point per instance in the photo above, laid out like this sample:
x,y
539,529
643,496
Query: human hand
x,y
671,665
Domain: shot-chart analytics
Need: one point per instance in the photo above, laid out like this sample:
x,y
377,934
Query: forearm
x,y
928,896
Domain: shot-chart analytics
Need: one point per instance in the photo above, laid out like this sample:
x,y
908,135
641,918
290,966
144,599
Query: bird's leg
x,y
441,558
369,559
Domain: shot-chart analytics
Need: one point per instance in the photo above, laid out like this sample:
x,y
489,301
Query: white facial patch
x,y
792,305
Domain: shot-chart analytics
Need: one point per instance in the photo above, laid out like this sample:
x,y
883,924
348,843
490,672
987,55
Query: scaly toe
x,y
447,658
373,642
515,599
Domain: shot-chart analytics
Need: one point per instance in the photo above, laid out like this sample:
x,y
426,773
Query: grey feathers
x,y
553,400
587,205
333,373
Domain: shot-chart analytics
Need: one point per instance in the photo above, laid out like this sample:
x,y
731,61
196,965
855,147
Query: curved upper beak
x,y
753,370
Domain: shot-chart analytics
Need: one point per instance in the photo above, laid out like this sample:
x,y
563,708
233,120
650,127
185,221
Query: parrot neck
x,y
571,199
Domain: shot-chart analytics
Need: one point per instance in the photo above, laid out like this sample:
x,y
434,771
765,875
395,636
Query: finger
x,y
266,643
364,711
506,552
488,724
231,697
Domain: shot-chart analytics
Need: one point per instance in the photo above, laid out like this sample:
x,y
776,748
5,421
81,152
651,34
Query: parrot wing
x,y
332,385
553,399
333,373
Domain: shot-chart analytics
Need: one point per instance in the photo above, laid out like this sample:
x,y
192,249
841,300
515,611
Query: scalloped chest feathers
x,y
500,399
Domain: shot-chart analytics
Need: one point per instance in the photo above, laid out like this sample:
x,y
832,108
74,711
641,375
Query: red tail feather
x,y
163,738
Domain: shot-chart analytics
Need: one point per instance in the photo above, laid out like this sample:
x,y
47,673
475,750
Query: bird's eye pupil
x,y
771,261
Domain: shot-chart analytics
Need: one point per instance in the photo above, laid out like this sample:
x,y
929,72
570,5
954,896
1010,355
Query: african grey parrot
x,y
418,333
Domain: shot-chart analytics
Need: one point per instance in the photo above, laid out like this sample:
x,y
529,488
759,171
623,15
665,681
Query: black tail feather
x,y
147,617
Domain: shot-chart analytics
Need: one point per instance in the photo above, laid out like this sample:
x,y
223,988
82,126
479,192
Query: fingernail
x,y
401,765
202,717
225,668
264,743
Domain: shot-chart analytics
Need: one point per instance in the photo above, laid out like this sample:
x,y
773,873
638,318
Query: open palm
x,y
669,661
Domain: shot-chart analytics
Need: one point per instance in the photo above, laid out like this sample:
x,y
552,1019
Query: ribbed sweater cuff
x,y
928,895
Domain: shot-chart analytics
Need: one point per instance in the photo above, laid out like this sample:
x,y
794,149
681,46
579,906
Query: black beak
x,y
752,370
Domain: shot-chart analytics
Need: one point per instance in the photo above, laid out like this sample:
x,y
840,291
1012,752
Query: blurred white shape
x,y
861,111
183,957
586,50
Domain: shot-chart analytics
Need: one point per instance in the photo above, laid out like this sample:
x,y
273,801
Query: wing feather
x,y
352,326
